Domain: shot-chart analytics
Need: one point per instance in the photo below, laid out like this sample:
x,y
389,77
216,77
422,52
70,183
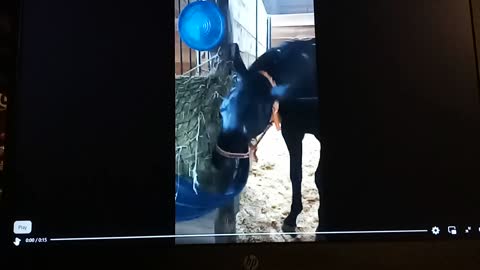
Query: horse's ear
x,y
280,92
237,60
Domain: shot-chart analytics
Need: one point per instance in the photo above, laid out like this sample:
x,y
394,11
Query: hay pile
x,y
197,123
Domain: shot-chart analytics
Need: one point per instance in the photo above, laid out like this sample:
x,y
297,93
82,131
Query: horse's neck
x,y
277,62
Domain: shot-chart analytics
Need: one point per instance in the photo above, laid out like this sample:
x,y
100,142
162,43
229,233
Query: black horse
x,y
285,75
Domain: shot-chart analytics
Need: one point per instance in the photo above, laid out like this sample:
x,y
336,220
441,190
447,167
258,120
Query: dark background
x,y
91,134
401,112
92,120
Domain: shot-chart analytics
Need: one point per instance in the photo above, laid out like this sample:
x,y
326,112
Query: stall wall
x,y
185,54
244,28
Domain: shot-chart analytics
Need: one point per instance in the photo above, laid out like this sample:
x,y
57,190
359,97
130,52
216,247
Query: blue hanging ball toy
x,y
201,25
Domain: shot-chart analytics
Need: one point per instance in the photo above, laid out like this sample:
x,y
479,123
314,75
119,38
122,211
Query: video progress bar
x,y
233,234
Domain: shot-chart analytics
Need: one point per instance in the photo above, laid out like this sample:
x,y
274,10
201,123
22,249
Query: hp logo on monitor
x,y
250,262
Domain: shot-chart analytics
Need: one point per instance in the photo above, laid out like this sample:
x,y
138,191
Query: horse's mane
x,y
296,40
272,54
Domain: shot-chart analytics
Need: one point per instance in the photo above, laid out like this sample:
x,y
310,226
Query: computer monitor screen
x,y
291,123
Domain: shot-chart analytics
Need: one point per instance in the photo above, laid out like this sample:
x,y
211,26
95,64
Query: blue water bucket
x,y
201,25
191,204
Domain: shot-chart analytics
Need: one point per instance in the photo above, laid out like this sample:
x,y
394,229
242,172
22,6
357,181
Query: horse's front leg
x,y
294,144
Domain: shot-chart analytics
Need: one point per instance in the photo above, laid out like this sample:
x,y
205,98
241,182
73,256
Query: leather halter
x,y
252,147
231,154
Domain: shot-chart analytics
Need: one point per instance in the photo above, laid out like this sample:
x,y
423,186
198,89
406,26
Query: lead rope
x,y
254,144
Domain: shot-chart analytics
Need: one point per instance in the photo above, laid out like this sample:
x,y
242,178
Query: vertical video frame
x,y
245,166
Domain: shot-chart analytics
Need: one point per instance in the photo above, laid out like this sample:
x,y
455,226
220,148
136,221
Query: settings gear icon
x,y
435,230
